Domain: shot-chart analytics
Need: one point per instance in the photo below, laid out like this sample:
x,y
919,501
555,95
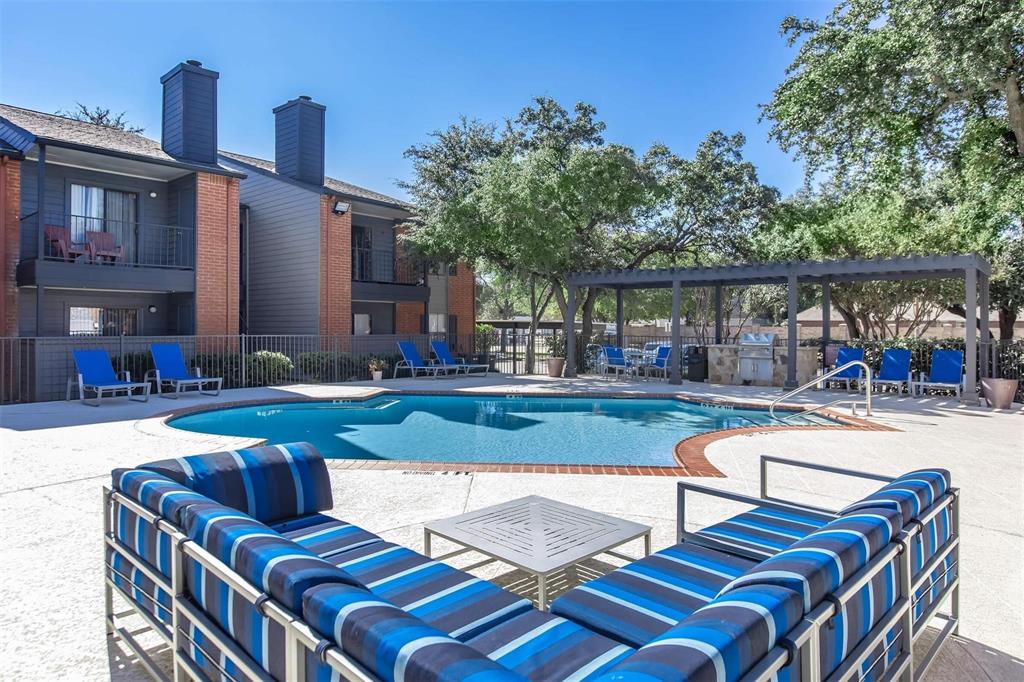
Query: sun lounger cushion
x,y
933,537
441,596
391,643
212,660
324,535
268,483
910,494
140,588
280,567
156,492
543,646
720,641
636,603
765,531
822,561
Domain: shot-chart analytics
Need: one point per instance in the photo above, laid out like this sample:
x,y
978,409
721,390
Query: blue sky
x,y
390,73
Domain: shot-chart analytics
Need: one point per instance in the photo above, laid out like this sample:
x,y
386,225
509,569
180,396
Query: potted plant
x,y
999,393
377,367
556,358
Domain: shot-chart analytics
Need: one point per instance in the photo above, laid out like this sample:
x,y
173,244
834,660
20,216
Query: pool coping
x,y
689,453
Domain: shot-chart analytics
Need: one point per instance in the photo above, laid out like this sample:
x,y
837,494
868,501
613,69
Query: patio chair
x,y
59,239
412,361
946,373
102,245
171,370
617,361
659,364
846,355
895,369
96,375
448,361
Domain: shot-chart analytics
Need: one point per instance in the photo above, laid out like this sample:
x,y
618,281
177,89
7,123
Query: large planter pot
x,y
555,366
999,392
378,375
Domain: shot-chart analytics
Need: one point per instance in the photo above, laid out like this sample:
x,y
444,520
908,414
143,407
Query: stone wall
x,y
724,367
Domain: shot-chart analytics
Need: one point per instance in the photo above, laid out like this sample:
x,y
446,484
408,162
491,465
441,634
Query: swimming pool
x,y
506,429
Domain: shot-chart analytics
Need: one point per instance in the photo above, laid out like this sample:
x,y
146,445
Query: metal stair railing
x,y
824,377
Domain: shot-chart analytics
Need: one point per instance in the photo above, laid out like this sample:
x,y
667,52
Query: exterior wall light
x,y
152,308
341,207
152,195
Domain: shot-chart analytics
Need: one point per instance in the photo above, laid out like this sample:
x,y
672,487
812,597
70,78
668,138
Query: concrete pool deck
x,y
56,457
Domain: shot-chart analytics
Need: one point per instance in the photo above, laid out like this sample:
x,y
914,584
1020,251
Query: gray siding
x,y
56,304
438,294
190,114
58,197
299,141
284,256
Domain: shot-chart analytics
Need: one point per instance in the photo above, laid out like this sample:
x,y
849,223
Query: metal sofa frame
x,y
804,640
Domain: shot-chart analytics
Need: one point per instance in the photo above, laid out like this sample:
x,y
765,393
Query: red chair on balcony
x,y
59,240
101,245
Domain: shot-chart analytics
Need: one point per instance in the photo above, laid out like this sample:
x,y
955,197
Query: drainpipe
x,y
40,231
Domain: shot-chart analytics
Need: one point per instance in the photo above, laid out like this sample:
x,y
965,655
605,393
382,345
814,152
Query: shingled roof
x,y
15,122
330,184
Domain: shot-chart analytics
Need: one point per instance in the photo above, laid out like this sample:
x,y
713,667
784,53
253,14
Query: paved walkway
x,y
55,457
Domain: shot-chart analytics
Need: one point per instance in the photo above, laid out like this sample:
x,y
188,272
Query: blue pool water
x,y
530,430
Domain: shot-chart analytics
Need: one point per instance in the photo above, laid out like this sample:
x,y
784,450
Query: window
x,y
84,321
442,269
438,323
95,209
361,323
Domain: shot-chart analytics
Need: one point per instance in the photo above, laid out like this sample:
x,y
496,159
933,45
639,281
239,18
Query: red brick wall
x,y
335,269
462,299
10,204
408,318
216,254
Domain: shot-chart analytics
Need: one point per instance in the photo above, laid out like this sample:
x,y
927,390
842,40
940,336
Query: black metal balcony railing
x,y
384,266
103,241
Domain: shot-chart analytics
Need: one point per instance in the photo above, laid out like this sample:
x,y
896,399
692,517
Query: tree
x,y
544,194
101,116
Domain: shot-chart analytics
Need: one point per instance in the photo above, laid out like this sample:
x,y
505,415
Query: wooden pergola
x,y
974,269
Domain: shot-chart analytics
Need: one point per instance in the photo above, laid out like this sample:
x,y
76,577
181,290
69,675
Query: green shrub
x,y
319,365
266,368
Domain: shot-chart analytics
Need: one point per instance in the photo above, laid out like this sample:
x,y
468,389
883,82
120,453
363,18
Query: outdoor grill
x,y
755,357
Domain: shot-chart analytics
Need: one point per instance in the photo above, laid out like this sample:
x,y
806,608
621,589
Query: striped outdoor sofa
x,y
230,558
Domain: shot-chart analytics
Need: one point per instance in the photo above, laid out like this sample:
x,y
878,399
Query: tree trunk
x,y
851,321
1015,110
1007,318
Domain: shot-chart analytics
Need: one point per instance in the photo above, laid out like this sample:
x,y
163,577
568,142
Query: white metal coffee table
x,y
539,536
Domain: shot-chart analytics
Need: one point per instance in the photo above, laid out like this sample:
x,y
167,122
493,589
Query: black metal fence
x,y
35,369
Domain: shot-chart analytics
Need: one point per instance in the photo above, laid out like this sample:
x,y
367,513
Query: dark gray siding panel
x,y
284,256
190,114
382,315
56,304
16,137
299,141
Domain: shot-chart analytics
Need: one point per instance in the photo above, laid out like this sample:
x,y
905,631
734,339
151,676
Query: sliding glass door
x,y
95,209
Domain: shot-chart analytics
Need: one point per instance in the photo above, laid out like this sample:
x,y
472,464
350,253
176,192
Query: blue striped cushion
x,y
269,561
636,603
215,662
324,535
143,591
910,494
822,561
269,483
391,643
721,641
933,537
542,646
156,492
763,530
441,596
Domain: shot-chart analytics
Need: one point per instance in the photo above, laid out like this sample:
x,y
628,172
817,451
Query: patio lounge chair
x,y
59,239
848,600
895,370
171,370
659,364
96,375
448,361
412,361
616,361
946,373
101,245
850,374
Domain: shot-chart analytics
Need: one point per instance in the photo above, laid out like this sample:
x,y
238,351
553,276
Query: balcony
x,y
84,251
380,274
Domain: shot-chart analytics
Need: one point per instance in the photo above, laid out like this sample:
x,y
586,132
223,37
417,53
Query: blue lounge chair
x,y
895,369
171,370
448,361
96,375
660,363
412,361
616,361
850,374
946,373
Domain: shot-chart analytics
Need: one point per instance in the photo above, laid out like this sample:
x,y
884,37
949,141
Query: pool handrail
x,y
817,380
